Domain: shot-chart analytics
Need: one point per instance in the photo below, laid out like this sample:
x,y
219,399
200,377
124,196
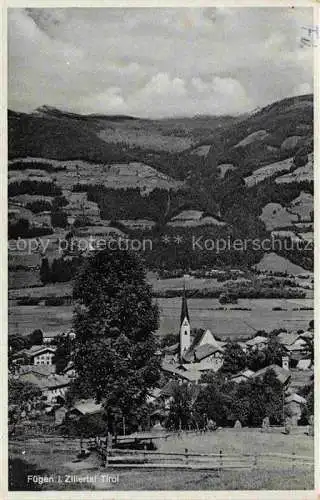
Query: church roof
x,y
184,309
205,350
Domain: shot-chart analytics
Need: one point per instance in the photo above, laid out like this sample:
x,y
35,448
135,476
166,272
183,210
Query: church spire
x,y
184,307
185,340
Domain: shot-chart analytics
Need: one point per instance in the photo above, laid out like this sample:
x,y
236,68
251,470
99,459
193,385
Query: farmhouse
x,y
36,355
242,376
52,386
257,343
84,407
282,374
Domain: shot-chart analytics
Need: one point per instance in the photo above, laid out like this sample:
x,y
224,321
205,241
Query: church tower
x,y
185,340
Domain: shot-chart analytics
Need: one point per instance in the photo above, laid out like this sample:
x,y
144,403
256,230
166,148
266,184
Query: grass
x,y
258,479
272,476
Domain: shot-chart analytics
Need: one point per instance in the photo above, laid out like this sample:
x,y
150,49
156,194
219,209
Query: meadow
x,y
229,321
270,474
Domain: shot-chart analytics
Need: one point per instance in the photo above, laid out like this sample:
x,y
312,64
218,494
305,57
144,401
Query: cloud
x,y
156,61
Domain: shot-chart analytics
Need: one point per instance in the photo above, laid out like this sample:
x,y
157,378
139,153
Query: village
x,y
186,362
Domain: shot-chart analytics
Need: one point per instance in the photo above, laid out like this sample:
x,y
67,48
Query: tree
x,y
20,392
266,398
309,348
114,322
62,355
45,274
215,399
36,337
234,358
271,354
182,407
59,219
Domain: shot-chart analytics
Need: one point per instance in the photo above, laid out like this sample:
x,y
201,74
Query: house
x,y
304,364
42,219
52,386
48,337
181,372
257,343
291,341
41,370
36,355
59,415
282,375
211,354
243,346
84,407
69,370
293,406
171,353
242,376
205,345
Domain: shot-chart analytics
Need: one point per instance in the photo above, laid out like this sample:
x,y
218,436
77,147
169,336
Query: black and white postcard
x,y
161,250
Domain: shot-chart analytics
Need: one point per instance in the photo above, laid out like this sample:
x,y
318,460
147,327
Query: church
x,y
192,354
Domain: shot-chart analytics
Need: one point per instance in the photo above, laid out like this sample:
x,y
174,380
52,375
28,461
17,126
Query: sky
x,y
157,62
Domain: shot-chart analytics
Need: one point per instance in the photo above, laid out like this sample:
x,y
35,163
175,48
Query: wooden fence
x,y
205,461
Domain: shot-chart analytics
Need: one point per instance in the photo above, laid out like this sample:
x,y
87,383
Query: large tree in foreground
x,y
114,322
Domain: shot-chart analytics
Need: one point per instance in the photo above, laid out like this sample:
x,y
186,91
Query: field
x,y
276,475
276,263
24,319
301,174
116,176
268,170
204,313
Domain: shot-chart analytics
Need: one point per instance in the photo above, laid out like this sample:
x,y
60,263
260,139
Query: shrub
x,y
28,301
54,301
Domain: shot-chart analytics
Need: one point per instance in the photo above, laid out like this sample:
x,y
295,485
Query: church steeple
x,y
184,308
185,340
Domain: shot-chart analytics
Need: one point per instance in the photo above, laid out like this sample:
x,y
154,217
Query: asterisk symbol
x,y
178,239
166,239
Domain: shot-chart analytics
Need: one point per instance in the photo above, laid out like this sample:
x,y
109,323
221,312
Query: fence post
x,y
221,458
293,459
107,457
255,462
186,453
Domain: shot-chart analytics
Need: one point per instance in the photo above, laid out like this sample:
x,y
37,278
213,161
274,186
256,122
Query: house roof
x,y
306,335
182,372
87,406
282,374
304,364
189,355
51,335
169,388
257,340
201,366
171,348
287,338
296,399
70,366
45,382
43,370
205,350
195,346
35,350
244,373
